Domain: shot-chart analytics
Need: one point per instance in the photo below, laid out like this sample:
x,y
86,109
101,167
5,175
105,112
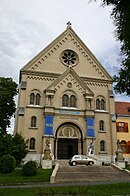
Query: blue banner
x,y
48,125
90,127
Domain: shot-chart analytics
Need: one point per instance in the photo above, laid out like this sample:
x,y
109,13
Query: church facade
x,y
65,96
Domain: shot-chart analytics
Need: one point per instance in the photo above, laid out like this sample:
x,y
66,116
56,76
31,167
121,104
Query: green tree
x,y
13,145
19,148
121,16
5,144
8,89
7,164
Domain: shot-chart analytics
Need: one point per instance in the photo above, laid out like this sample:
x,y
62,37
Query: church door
x,y
68,141
67,148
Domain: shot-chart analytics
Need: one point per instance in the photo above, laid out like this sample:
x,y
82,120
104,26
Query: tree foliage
x,y
7,164
8,89
19,148
13,145
121,16
29,169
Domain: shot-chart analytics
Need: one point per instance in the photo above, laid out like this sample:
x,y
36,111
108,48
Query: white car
x,y
81,159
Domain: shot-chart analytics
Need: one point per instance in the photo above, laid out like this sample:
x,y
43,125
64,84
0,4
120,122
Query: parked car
x,y
81,159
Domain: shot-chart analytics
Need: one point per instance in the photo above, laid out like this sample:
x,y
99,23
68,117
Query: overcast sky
x,y
27,26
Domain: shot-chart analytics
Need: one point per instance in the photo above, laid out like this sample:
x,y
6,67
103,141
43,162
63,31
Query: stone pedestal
x,y
46,164
120,164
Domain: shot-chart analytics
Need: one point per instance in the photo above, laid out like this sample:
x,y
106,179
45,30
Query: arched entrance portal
x,y
68,141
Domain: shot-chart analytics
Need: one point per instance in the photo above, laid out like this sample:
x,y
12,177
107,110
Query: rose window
x,y
69,58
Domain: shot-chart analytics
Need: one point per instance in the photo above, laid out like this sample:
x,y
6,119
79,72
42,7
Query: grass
x,y
17,177
44,176
88,190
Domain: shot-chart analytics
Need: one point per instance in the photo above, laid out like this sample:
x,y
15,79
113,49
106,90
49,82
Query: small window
x,y
33,121
65,101
21,111
32,98
72,101
23,85
98,104
37,99
122,126
69,100
101,125
102,104
32,144
102,146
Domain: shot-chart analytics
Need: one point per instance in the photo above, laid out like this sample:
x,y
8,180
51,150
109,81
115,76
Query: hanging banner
x,y
48,125
90,127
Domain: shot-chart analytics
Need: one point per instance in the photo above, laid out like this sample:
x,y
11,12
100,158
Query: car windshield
x,y
77,157
83,157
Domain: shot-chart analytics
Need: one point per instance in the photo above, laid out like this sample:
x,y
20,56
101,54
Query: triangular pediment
x,y
48,60
70,77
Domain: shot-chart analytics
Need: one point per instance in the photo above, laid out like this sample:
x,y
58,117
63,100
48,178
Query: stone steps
x,y
67,173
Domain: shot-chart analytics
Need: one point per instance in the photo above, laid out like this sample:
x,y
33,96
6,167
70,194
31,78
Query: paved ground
x,y
82,173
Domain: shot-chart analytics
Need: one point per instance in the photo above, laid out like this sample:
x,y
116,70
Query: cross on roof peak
x,y
69,24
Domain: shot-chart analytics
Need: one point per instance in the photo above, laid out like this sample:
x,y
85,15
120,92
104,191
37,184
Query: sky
x,y
28,26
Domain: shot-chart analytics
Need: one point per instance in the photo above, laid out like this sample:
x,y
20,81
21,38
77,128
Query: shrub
x,y
30,168
7,164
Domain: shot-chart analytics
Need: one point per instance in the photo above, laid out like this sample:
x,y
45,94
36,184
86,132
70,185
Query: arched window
x,y
101,125
33,121
65,101
32,144
98,104
37,102
102,104
123,146
32,98
102,145
72,101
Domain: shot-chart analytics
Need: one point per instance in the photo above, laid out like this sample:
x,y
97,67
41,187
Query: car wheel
x,y
74,163
90,163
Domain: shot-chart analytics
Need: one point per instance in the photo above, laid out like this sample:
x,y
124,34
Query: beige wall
x,y
47,74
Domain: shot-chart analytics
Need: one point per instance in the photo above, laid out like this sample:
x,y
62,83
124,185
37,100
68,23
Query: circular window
x,y
69,58
69,85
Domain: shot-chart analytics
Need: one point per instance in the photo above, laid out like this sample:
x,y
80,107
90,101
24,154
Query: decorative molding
x,y
48,53
86,55
101,111
97,84
34,106
53,76
79,46
68,132
41,78
69,78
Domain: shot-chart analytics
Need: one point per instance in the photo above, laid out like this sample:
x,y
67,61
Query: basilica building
x,y
66,97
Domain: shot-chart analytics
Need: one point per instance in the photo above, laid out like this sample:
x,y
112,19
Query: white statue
x,y
91,148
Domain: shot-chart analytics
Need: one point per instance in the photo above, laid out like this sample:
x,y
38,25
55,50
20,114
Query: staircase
x,y
81,173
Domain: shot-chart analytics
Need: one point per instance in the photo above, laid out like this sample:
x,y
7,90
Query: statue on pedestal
x,y
47,151
119,153
47,156
91,148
